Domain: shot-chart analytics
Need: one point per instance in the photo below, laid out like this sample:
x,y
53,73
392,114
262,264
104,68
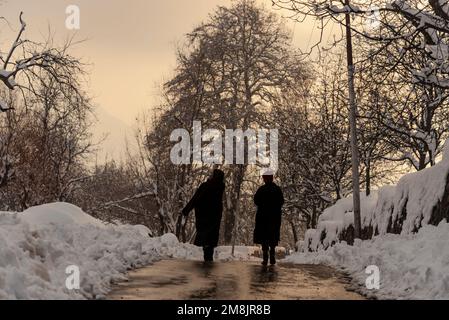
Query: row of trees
x,y
410,39
46,146
44,136
238,70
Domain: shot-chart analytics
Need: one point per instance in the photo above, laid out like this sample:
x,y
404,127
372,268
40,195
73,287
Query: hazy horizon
x,y
130,48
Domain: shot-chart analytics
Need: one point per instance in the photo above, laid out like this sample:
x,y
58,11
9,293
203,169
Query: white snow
x,y
413,266
57,214
418,193
39,244
338,217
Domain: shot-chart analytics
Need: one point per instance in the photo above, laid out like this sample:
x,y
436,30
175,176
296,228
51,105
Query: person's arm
x,y
193,202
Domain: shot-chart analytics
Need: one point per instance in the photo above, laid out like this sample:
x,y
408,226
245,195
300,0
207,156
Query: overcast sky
x,y
130,44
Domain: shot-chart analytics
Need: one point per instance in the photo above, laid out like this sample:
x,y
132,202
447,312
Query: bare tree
x,y
45,141
26,59
237,64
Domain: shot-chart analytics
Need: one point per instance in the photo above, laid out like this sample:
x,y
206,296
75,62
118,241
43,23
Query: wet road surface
x,y
183,280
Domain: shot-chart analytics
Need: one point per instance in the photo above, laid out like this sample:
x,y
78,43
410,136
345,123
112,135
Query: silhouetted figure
x,y
269,201
208,205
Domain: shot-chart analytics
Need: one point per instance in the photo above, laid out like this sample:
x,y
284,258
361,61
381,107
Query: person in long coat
x,y
208,205
269,200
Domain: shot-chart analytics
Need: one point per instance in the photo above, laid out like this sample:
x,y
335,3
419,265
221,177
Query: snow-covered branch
x,y
117,203
27,57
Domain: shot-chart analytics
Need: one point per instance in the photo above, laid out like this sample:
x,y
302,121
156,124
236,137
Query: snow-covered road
x,y
233,280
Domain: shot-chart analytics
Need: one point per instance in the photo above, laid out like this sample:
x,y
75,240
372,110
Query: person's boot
x,y
208,254
211,254
272,256
265,258
205,254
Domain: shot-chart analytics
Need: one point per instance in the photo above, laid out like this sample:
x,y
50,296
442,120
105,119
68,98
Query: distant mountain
x,y
111,135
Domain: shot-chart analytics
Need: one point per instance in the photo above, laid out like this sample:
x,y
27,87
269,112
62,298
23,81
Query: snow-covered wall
x,y
419,199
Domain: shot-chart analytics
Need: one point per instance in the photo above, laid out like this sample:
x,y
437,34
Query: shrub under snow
x,y
405,234
419,199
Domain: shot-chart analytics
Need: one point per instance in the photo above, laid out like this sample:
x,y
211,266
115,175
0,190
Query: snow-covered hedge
x,y
37,246
419,199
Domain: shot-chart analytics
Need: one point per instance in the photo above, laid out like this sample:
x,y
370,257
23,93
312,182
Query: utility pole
x,y
353,126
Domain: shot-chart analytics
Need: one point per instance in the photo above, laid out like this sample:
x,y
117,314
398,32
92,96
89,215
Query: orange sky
x,y
130,44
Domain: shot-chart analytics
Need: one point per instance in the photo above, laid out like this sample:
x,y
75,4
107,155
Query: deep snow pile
x,y
37,246
410,250
417,200
412,266
337,218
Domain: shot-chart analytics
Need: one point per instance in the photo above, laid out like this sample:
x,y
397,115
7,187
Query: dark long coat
x,y
269,201
208,205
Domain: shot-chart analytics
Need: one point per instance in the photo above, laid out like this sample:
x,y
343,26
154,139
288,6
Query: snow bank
x,y
405,234
412,266
336,219
39,244
419,199
57,214
418,193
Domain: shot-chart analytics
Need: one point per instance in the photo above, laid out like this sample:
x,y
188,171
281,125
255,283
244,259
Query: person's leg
x,y
208,253
273,255
265,254
211,253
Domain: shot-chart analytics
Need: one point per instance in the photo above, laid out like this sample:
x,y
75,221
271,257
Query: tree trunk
x,y
314,221
295,233
232,210
368,178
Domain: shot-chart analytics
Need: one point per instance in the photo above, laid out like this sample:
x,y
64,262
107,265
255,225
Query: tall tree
x,y
236,65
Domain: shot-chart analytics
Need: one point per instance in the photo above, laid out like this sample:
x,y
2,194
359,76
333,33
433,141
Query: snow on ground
x,y
174,249
412,266
338,217
241,253
39,244
416,194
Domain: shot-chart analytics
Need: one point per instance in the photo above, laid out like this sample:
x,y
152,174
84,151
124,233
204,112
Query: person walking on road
x,y
208,205
269,200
